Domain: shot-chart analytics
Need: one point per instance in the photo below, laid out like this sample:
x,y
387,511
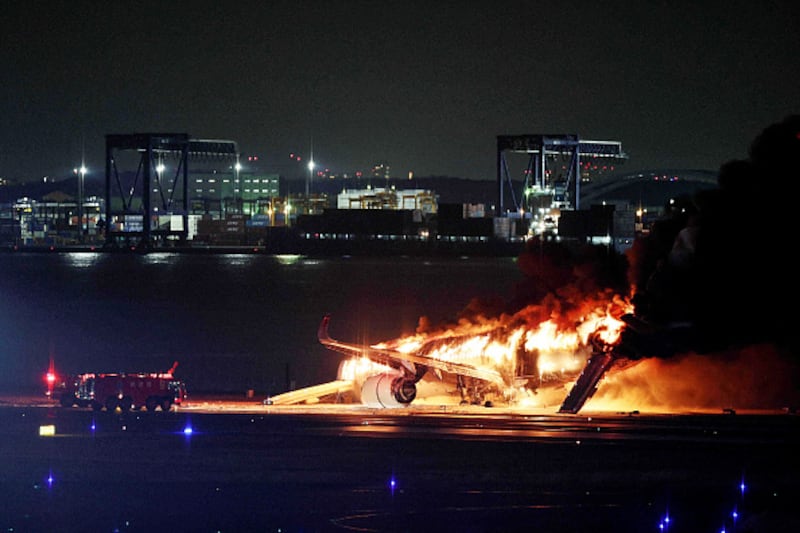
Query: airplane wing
x,y
311,394
407,362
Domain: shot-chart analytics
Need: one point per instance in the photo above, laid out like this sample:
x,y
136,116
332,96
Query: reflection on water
x,y
82,259
236,260
158,258
288,259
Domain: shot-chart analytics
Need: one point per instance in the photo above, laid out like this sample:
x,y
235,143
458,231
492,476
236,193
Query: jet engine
x,y
388,390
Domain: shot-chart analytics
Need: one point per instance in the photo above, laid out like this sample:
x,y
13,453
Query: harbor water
x,y
234,322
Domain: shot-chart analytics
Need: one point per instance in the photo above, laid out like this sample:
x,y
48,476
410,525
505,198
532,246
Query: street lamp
x,y
237,167
310,174
81,173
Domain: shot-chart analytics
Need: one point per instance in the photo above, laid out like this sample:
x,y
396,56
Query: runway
x,y
238,465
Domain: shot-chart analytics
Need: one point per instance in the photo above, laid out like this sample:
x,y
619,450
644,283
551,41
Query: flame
x,y
545,344
558,346
358,367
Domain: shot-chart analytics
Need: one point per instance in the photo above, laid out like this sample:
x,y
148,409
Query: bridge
x,y
599,188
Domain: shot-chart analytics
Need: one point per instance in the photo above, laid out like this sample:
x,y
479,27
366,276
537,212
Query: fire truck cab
x,y
125,391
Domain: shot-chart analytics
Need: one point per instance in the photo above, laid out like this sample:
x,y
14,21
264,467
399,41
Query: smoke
x,y
758,377
721,260
559,283
710,287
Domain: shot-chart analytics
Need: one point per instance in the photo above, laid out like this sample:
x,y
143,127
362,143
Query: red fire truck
x,y
125,391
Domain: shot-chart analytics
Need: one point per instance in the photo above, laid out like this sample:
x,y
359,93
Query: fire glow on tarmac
x,y
424,467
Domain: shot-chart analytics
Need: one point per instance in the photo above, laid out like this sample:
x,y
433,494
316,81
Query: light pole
x,y
80,173
237,168
160,168
310,175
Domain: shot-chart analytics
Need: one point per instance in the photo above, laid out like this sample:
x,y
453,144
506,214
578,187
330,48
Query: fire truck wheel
x,y
126,403
151,404
111,403
166,404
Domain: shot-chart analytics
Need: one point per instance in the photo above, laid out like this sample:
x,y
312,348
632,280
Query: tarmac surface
x,y
221,464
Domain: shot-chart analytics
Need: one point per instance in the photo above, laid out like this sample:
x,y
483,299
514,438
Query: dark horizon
x,y
423,87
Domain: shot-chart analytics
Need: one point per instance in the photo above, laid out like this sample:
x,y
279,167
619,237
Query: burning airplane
x,y
507,359
705,285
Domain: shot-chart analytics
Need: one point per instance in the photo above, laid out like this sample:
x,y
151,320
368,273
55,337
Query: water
x,y
233,322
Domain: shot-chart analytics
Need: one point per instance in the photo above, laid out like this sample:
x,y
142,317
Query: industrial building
x,y
169,190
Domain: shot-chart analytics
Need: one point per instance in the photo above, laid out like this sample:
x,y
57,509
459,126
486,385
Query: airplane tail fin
x,y
322,332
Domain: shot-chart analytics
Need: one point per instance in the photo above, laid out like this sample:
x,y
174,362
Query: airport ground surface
x,y
245,466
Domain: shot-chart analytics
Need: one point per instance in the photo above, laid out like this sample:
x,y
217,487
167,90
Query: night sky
x,y
425,86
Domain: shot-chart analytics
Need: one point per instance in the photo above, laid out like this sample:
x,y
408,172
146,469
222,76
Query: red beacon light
x,y
50,379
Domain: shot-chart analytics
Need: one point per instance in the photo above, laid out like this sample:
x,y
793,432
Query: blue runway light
x,y
187,430
50,480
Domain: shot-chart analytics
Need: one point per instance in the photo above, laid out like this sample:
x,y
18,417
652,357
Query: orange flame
x,y
356,367
545,346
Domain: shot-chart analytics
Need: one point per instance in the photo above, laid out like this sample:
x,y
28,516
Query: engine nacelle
x,y
388,390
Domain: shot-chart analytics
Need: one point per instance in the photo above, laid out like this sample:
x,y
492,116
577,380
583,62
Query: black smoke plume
x,y
719,270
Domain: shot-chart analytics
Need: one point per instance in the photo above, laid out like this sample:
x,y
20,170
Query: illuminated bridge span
x,y
600,188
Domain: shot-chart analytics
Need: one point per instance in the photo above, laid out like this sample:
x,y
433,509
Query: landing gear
x,y
473,391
